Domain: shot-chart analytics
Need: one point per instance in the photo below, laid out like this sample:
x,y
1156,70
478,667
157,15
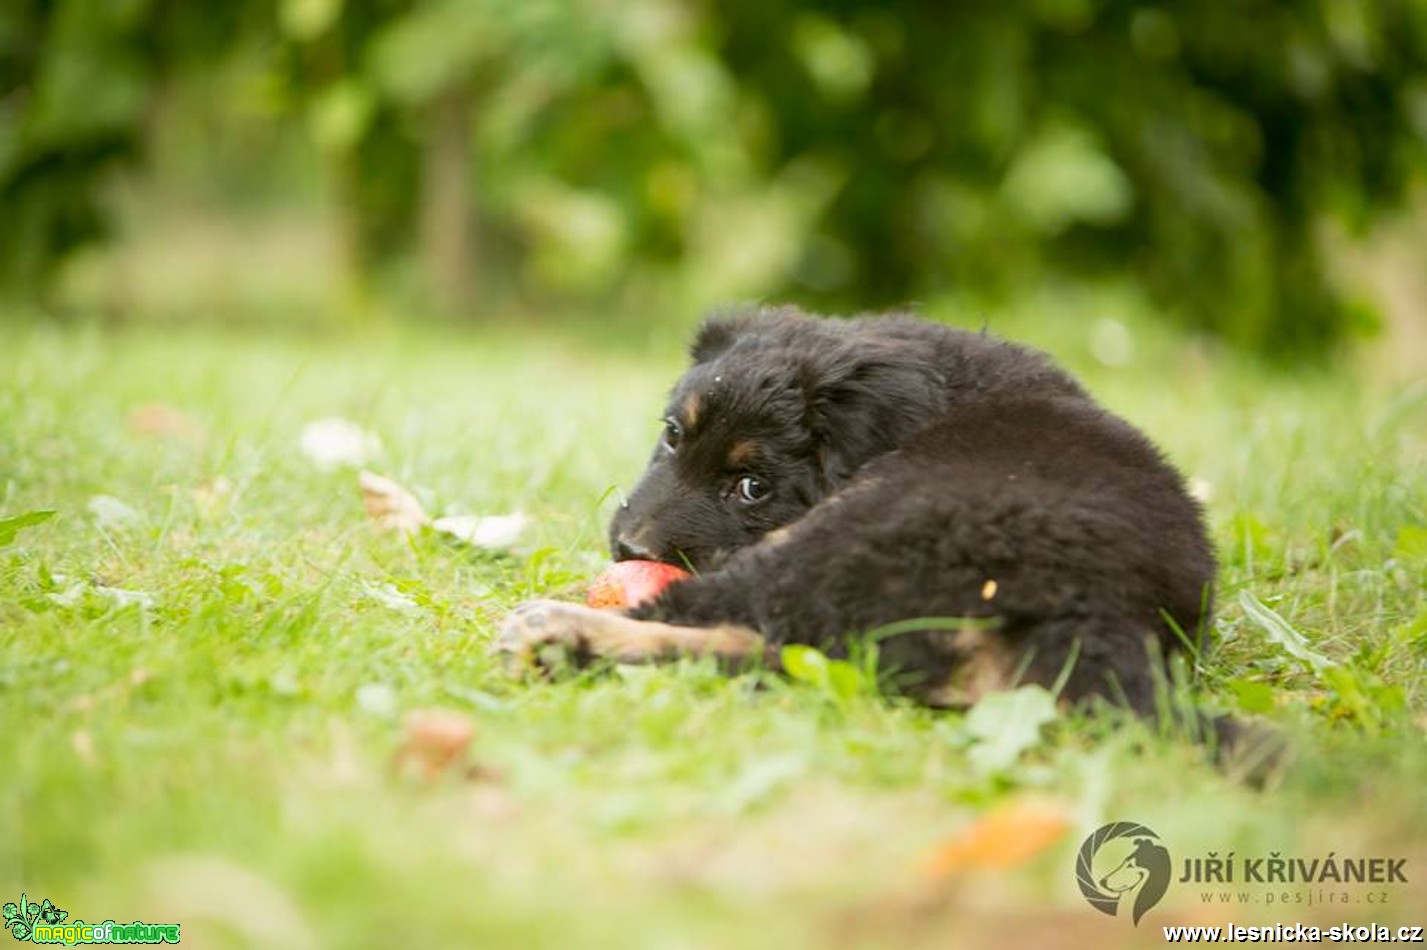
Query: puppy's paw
x,y
541,633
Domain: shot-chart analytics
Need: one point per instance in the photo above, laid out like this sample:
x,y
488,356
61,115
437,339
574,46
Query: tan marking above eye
x,y
776,537
691,411
742,453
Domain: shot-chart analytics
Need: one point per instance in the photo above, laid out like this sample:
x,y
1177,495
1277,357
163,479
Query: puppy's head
x,y
776,411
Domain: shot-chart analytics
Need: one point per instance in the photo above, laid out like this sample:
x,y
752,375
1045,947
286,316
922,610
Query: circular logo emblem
x,y
1122,862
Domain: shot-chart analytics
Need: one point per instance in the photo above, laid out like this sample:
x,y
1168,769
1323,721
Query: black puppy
x,y
957,497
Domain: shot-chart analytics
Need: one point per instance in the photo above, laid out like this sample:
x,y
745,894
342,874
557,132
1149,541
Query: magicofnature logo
x,y
46,923
22,918
1122,862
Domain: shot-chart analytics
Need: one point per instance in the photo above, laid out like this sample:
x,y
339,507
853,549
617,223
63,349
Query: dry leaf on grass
x,y
156,419
1008,836
389,504
433,742
392,506
485,531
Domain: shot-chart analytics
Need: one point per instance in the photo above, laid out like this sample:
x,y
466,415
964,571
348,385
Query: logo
x,y
22,918
46,923
1120,862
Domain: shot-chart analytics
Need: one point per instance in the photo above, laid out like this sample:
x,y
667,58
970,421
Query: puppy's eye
x,y
750,488
673,432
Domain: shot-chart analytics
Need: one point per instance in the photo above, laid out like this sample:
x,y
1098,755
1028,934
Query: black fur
x,y
920,472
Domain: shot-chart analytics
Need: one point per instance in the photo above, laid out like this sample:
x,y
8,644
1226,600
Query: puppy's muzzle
x,y
630,546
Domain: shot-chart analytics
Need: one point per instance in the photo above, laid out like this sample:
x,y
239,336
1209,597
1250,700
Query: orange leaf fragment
x,y
161,421
433,742
1006,837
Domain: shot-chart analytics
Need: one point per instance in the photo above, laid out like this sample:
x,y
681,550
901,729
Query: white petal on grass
x,y
485,531
379,699
334,442
111,512
1281,632
389,596
389,504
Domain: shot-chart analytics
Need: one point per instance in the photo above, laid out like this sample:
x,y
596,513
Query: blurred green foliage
x,y
848,154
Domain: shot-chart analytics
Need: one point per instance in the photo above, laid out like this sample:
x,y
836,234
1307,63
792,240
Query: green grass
x,y
222,758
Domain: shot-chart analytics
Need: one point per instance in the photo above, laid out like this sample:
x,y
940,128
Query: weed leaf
x,y
1282,633
1006,724
9,527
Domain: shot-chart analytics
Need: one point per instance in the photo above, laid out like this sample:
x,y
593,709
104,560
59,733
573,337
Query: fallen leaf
x,y
335,442
1006,837
392,506
1281,632
389,504
433,741
485,531
156,419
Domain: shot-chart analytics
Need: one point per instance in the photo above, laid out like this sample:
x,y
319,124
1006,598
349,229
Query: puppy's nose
x,y
629,548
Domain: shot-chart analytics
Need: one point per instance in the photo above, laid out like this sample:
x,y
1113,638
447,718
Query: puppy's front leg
x,y
589,634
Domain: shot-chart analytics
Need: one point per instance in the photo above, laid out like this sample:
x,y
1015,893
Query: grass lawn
x,y
217,748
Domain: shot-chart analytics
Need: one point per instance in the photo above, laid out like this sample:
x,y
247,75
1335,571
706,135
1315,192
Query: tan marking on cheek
x,y
988,589
742,453
691,411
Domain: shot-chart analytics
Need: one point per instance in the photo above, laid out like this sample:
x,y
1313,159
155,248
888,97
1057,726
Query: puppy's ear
x,y
865,401
718,332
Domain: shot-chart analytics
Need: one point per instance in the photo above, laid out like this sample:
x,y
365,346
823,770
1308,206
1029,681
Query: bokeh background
x,y
470,237
1252,170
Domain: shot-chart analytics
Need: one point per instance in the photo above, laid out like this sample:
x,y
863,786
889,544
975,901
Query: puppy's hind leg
x,y
588,634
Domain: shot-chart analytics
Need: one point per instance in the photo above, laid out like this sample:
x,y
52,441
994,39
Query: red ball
x,y
630,583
